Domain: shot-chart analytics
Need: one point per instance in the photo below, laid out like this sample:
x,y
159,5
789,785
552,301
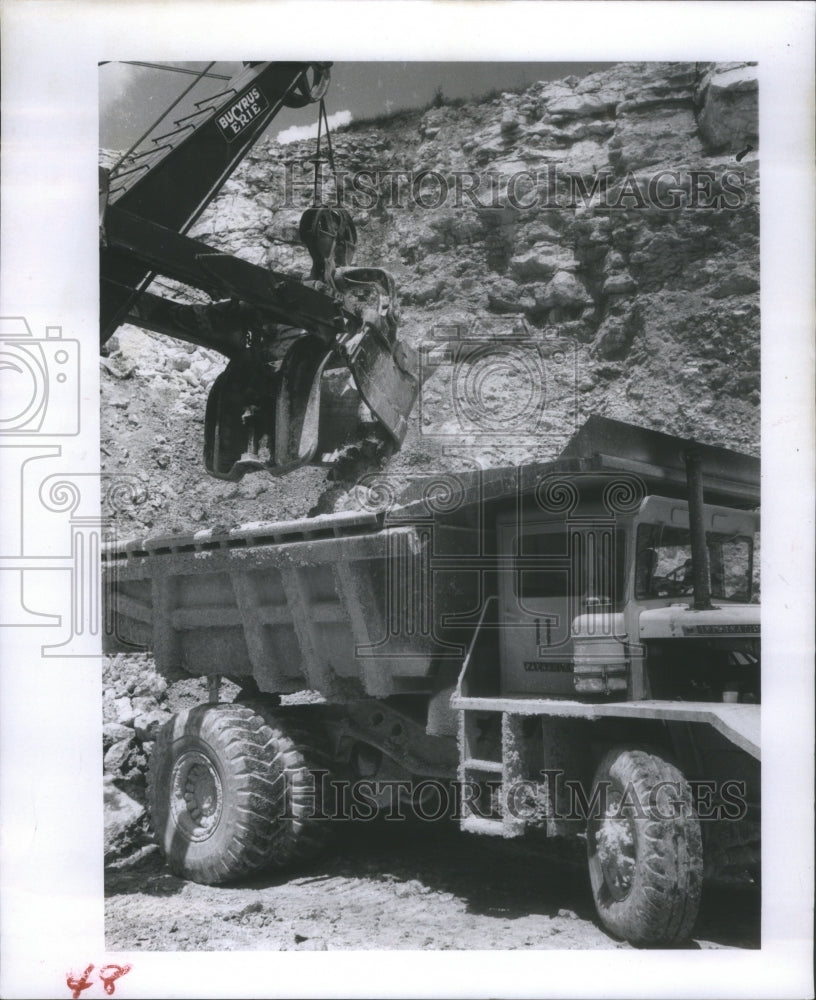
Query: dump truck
x,y
562,649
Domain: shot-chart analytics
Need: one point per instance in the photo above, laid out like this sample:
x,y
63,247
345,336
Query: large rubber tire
x,y
307,765
229,794
645,861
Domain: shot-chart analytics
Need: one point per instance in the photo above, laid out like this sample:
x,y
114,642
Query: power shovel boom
x,y
279,334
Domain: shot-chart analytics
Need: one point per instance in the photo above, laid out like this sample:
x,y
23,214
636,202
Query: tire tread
x,y
663,903
263,762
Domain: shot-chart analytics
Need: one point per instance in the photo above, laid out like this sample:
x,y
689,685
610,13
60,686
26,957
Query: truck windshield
x,y
664,565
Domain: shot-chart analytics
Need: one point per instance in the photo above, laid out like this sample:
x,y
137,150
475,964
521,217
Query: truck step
x,y
484,825
475,764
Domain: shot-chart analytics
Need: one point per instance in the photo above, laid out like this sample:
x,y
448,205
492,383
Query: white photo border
x,y
51,916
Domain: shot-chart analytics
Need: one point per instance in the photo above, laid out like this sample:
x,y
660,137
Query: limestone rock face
x,y
600,233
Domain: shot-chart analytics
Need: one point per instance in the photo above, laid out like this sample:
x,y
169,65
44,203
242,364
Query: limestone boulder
x,y
728,120
126,823
540,261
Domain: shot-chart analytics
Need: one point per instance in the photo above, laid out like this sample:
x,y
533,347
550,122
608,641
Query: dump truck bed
x,y
338,604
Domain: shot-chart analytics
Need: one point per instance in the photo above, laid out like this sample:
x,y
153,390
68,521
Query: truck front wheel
x,y
644,849
220,792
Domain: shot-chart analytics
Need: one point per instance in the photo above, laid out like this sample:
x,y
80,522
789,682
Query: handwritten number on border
x,y
108,975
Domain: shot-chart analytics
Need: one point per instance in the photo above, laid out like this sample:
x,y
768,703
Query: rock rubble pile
x,y
134,706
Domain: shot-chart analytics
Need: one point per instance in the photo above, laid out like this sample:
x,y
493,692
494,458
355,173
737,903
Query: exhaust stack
x,y
699,550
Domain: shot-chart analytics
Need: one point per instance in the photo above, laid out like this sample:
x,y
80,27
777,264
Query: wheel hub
x,y
615,845
196,800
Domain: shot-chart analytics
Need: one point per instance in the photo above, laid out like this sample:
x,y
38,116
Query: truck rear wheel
x,y
228,794
644,849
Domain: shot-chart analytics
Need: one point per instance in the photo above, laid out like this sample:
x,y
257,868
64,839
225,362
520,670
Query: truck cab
x,y
595,607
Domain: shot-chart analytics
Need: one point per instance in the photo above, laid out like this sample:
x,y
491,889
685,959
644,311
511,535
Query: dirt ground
x,y
393,886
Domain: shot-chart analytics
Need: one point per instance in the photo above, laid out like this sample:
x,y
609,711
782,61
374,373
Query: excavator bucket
x,y
385,379
281,404
262,419
384,368
306,412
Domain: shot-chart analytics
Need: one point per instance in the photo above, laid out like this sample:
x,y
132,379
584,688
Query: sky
x,y
132,97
